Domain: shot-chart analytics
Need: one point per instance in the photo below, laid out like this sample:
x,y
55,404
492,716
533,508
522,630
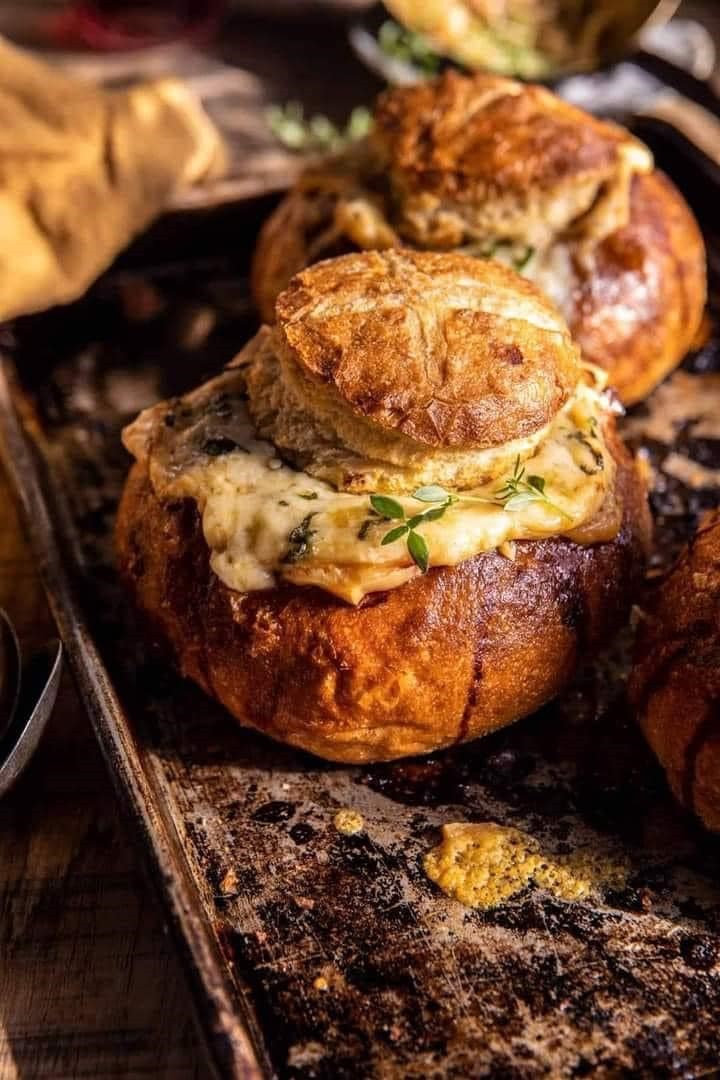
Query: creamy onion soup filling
x,y
265,521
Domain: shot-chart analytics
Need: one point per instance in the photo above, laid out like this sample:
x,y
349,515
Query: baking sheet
x,y
313,953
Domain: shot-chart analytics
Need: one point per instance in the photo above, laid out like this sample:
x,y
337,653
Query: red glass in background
x,y
132,24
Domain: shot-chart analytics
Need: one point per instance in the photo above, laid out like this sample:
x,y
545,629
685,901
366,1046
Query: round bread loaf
x,y
497,169
675,684
404,367
447,657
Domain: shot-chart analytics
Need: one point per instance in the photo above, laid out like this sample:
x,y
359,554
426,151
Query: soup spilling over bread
x,y
406,491
354,446
498,169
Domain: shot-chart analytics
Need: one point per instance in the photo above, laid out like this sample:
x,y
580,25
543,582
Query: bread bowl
x,y
675,683
489,166
266,529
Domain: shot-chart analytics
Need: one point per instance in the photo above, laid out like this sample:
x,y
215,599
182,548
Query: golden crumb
x,y
321,983
483,864
349,822
229,883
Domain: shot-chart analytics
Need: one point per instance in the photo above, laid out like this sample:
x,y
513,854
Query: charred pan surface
x,y
624,984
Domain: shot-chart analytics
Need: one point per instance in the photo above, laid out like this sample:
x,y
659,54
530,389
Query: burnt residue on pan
x,y
355,964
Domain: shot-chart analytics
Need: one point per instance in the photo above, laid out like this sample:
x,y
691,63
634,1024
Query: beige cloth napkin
x,y
82,170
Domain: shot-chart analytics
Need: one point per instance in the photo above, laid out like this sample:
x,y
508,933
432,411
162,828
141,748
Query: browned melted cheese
x,y
264,521
483,864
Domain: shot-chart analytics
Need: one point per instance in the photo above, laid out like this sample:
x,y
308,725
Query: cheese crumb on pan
x,y
349,822
484,864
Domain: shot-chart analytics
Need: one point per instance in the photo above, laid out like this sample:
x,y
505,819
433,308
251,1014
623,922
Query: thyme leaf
x,y
417,546
520,490
431,493
521,261
387,507
408,47
315,134
395,534
391,510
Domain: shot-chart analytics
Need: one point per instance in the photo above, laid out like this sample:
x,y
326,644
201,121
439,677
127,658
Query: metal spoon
x,y
39,683
9,672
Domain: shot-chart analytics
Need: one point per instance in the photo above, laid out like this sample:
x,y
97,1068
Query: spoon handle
x,y
20,740
689,104
699,126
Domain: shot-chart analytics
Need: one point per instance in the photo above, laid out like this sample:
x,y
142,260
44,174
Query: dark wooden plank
x,y
89,984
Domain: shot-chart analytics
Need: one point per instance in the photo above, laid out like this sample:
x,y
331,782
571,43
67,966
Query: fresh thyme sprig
x,y
520,490
315,134
520,261
391,510
489,249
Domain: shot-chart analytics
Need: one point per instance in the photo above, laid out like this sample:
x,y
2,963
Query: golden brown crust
x,y
637,307
447,657
675,684
657,262
449,350
286,244
465,138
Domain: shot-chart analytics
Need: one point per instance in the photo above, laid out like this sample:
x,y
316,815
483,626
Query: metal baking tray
x,y
316,954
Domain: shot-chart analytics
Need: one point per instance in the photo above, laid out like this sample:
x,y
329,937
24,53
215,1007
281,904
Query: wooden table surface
x,y
89,985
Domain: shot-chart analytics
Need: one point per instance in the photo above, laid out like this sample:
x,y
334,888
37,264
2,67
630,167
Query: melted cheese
x,y
264,521
484,864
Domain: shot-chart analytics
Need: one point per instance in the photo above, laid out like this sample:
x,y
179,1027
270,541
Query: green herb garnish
x,y
299,540
391,510
317,134
308,494
521,261
520,490
365,528
408,47
488,249
598,459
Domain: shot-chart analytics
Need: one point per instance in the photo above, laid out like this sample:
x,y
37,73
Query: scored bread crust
x,y
497,152
634,310
448,656
675,683
448,350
